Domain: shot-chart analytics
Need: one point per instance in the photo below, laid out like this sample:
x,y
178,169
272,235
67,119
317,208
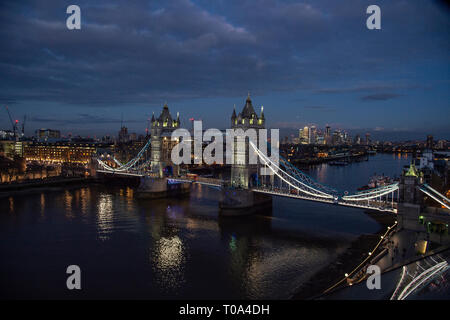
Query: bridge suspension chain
x,y
288,179
130,165
294,171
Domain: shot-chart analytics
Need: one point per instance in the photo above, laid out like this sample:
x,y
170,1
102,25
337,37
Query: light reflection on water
x,y
167,259
177,247
68,197
105,217
11,204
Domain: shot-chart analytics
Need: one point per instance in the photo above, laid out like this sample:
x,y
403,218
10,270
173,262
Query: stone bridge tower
x,y
161,143
243,174
237,198
408,186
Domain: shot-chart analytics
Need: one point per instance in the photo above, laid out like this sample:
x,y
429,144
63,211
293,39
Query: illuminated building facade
x,y
10,148
60,152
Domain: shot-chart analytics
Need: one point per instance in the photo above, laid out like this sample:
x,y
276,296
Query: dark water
x,y
175,248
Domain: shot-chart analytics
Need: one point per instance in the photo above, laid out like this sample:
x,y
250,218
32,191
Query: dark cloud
x,y
380,97
320,108
84,118
370,88
143,53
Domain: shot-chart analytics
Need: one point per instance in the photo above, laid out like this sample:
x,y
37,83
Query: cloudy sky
x,y
307,62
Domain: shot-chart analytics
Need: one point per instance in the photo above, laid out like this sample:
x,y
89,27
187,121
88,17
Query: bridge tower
x,y
237,198
408,186
241,171
410,200
156,184
161,143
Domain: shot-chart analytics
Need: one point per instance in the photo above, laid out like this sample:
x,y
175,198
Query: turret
x,y
248,118
261,117
233,117
153,119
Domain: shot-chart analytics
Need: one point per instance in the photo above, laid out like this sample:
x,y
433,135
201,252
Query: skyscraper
x,y
368,141
312,135
430,142
327,137
327,131
305,135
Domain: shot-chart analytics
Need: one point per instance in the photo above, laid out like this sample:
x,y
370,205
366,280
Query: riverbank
x,y
42,186
347,261
316,161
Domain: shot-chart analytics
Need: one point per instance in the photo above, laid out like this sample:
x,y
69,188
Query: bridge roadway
x,y
371,204
199,180
122,173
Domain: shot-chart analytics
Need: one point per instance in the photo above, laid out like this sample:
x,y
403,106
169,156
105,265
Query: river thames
x,y
176,248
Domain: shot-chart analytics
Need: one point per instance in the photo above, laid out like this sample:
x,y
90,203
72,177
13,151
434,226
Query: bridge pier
x,y
238,202
158,188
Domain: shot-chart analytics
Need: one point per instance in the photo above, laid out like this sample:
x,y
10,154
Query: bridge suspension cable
x,y
425,188
294,171
419,280
373,193
130,164
296,184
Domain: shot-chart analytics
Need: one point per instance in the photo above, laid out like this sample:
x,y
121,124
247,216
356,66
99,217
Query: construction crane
x,y
13,123
148,125
23,125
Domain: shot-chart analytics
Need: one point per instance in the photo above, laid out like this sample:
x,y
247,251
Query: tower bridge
x,y
247,188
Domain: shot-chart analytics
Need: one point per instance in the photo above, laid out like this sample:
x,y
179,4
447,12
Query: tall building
x,y
123,134
312,135
336,138
442,144
368,141
430,142
243,173
327,137
305,135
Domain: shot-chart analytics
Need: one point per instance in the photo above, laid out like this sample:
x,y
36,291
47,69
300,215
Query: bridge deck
x,y
373,205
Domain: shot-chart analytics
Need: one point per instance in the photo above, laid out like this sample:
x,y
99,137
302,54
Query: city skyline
x,y
203,57
226,155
